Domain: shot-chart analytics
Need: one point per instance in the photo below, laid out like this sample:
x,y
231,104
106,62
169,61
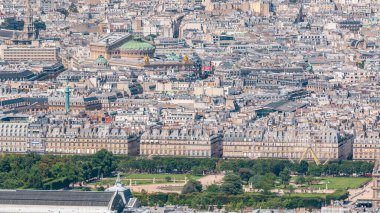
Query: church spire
x,y
29,31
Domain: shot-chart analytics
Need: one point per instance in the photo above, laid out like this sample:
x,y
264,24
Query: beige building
x,y
367,146
239,142
24,53
174,141
78,139
323,143
18,135
107,45
260,8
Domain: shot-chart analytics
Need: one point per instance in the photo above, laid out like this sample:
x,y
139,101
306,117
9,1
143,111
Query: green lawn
x,y
143,178
341,182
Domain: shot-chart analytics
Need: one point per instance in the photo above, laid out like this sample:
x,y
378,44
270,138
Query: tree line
x,y
237,202
33,171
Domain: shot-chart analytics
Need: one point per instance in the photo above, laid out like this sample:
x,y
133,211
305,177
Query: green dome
x,y
136,44
309,67
101,61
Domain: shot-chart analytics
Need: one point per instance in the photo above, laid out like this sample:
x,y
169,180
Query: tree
x,y
245,174
219,205
309,179
35,178
73,8
213,188
64,12
314,170
300,180
103,160
302,167
231,185
5,165
285,176
197,170
39,24
291,189
264,182
192,186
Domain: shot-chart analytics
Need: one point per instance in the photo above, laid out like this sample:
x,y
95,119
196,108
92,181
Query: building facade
x,y
173,141
10,53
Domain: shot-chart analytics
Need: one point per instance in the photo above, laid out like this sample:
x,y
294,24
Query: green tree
x,y
64,12
192,186
245,174
103,161
197,170
35,178
314,170
213,188
39,24
285,176
300,180
302,167
73,8
231,185
265,182
5,165
309,179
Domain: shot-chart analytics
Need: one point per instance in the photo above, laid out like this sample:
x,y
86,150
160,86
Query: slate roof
x,y
62,198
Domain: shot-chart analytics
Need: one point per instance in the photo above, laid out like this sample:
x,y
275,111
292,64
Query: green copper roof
x,y
101,61
136,44
309,67
173,57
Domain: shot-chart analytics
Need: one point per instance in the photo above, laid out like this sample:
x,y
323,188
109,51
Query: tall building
x,y
29,30
27,53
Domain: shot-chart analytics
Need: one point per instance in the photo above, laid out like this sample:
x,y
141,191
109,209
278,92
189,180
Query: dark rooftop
x,y
62,198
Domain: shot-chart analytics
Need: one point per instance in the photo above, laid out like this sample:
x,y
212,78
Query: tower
x,y
67,99
29,31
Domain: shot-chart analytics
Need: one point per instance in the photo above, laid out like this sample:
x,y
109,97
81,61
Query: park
x,y
196,182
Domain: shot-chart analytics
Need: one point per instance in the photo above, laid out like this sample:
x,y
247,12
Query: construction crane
x,y
316,160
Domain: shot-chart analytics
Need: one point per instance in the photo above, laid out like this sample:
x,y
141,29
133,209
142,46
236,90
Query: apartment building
x,y
367,146
15,53
79,139
304,143
196,141
239,142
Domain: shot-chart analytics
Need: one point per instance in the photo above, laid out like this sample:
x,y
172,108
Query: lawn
x,y
143,178
341,182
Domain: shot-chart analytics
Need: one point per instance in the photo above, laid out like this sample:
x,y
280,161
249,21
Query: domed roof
x,y
309,67
101,60
136,44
